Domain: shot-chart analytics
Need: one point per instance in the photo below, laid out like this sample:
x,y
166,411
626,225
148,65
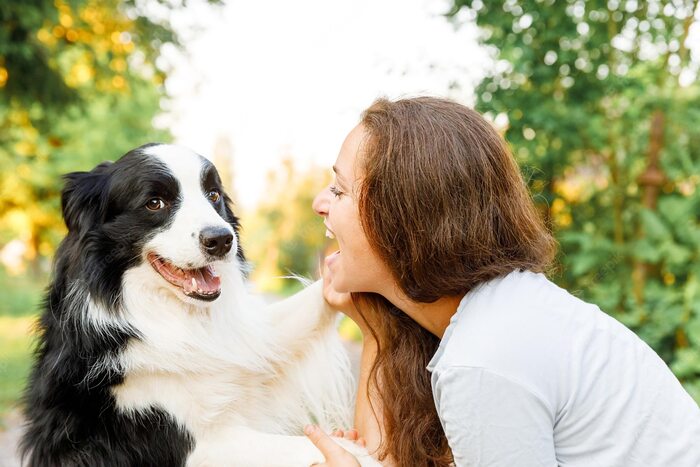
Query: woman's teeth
x,y
329,234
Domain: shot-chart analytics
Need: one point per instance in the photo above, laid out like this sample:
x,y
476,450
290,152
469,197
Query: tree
x,y
284,234
602,105
79,85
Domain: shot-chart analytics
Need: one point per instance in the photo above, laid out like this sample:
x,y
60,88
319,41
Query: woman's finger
x,y
329,448
350,434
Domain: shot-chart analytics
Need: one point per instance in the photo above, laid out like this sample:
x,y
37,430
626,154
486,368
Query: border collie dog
x,y
151,351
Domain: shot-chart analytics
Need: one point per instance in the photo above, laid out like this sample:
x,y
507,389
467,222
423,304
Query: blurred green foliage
x,y
603,114
79,85
15,359
21,294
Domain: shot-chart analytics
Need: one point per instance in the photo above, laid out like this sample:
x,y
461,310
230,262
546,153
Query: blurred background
x,y
599,100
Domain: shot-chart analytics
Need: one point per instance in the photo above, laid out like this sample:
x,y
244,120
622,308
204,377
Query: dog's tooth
x,y
194,283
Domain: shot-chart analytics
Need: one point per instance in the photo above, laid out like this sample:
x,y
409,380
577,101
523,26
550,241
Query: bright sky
x,y
291,78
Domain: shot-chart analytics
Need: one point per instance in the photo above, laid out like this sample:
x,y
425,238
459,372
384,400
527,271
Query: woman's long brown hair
x,y
443,203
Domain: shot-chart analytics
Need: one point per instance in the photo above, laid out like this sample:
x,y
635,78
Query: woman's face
x,y
355,267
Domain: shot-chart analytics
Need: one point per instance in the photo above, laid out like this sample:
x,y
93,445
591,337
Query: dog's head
x,y
159,205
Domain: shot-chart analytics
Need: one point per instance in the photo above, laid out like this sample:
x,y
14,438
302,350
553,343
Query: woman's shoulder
x,y
526,328
527,301
517,319
520,302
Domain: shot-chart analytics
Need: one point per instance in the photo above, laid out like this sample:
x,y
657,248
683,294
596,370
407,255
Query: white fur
x,y
242,378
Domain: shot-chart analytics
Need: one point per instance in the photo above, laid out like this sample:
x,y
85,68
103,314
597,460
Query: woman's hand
x,y
334,454
350,435
341,301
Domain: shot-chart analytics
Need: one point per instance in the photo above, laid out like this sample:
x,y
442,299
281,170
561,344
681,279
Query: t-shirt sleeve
x,y
490,420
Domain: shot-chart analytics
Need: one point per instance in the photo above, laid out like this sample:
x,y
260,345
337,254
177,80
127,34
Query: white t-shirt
x,y
529,375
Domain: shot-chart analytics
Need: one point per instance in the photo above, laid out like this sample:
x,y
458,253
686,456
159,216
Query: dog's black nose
x,y
216,241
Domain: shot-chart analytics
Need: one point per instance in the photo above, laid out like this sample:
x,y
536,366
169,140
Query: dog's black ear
x,y
84,197
234,222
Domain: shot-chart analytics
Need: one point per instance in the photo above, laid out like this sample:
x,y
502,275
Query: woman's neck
x,y
434,317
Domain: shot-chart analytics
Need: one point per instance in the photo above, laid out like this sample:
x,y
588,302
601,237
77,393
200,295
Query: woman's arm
x,y
492,420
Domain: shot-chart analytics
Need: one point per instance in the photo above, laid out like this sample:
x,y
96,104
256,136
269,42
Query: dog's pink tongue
x,y
201,280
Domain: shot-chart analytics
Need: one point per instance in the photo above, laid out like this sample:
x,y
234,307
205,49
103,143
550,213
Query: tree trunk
x,y
650,181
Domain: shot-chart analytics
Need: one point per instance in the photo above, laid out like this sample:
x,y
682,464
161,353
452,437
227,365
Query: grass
x,y
15,359
21,295
20,304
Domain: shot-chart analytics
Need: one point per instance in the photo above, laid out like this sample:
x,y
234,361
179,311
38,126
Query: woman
x,y
443,252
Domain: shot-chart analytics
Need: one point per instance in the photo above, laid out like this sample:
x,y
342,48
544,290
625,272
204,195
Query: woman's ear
x,y
84,197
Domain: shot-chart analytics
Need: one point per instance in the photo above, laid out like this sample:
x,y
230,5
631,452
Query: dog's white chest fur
x,y
235,370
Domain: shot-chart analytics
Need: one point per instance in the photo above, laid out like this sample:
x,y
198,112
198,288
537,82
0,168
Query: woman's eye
x,y
155,204
214,196
334,189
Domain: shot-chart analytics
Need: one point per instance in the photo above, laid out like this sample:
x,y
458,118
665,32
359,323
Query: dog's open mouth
x,y
201,283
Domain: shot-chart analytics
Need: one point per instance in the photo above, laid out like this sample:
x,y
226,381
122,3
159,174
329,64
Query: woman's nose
x,y
321,202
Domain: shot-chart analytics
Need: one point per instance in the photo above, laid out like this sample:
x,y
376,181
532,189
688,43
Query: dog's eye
x,y
213,196
155,204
